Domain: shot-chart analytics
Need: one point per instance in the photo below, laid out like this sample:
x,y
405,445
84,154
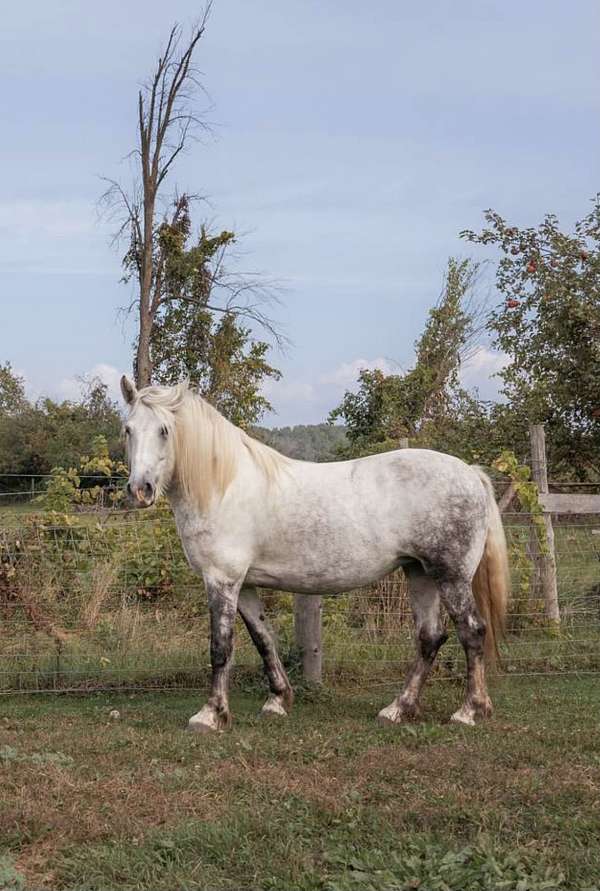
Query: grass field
x,y
325,800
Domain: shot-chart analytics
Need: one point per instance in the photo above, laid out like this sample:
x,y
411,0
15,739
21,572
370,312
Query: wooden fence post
x,y
545,556
307,627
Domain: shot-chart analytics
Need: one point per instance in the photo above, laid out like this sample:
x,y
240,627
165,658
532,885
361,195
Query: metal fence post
x,y
545,555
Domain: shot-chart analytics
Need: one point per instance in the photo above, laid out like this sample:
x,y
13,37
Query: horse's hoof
x,y
273,707
396,714
208,721
471,713
464,715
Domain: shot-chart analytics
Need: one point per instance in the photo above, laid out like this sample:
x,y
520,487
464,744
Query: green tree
x,y
34,438
309,442
12,391
190,338
426,402
548,324
168,118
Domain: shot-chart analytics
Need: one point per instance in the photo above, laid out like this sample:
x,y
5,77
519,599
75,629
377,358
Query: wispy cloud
x,y
28,219
308,398
346,374
71,387
481,371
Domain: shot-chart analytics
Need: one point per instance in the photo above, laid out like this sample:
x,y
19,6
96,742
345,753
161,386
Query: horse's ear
x,y
128,389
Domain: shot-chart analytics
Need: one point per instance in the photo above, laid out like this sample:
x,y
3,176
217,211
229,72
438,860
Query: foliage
x,y
426,401
153,564
549,327
64,489
12,391
526,490
189,339
39,436
150,562
527,493
308,442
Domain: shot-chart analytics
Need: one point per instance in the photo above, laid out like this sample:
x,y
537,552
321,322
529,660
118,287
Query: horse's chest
x,y
197,541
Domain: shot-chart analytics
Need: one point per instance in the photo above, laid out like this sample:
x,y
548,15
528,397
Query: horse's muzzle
x,y
141,495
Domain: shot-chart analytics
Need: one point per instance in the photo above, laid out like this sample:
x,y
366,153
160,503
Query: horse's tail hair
x,y
491,582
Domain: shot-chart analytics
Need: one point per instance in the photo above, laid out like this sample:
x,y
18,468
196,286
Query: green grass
x,y
325,800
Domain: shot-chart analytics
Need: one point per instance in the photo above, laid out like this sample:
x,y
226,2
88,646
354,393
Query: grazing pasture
x,y
324,800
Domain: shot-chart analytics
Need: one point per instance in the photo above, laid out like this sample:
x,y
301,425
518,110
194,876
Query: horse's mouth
x,y
139,502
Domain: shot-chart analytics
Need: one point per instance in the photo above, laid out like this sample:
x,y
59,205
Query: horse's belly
x,y
313,577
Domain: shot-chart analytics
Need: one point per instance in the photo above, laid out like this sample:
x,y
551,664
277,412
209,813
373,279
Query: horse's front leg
x,y
222,606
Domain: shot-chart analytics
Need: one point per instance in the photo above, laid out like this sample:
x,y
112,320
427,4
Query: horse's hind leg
x,y
460,603
424,595
252,612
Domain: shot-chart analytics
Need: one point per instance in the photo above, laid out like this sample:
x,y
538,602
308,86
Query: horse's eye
x,y
127,431
164,432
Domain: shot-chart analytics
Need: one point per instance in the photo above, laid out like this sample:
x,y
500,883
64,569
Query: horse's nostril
x,y
129,492
148,491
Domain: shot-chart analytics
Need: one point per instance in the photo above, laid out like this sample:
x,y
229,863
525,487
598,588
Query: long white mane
x,y
208,448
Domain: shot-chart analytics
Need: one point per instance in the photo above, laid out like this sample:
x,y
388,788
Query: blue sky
x,y
353,142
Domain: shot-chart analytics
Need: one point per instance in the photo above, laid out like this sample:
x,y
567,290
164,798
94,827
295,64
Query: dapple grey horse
x,y
248,516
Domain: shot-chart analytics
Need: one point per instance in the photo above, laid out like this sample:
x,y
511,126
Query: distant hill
x,y
310,442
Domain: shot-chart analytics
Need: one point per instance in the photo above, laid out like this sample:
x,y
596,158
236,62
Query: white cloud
x,y
289,391
483,363
70,387
346,374
309,399
480,371
26,220
486,361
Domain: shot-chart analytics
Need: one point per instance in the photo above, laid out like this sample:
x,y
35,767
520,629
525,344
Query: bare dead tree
x,y
166,122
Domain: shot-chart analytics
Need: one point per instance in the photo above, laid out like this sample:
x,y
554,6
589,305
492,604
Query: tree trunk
x,y
143,367
143,364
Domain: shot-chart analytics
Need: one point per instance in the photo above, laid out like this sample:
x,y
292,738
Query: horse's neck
x,y
247,486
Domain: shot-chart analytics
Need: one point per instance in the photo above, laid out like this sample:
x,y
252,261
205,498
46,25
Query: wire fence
x,y
105,599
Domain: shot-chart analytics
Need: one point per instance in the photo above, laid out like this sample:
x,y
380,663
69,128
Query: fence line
x,y
107,599
81,609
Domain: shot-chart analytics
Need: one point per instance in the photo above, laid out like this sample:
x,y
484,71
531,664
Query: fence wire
x,y
106,599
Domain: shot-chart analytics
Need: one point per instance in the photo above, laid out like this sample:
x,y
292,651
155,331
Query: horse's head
x,y
150,437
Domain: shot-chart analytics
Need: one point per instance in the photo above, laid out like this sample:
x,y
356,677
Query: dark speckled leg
x,y
252,612
222,605
424,595
458,600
